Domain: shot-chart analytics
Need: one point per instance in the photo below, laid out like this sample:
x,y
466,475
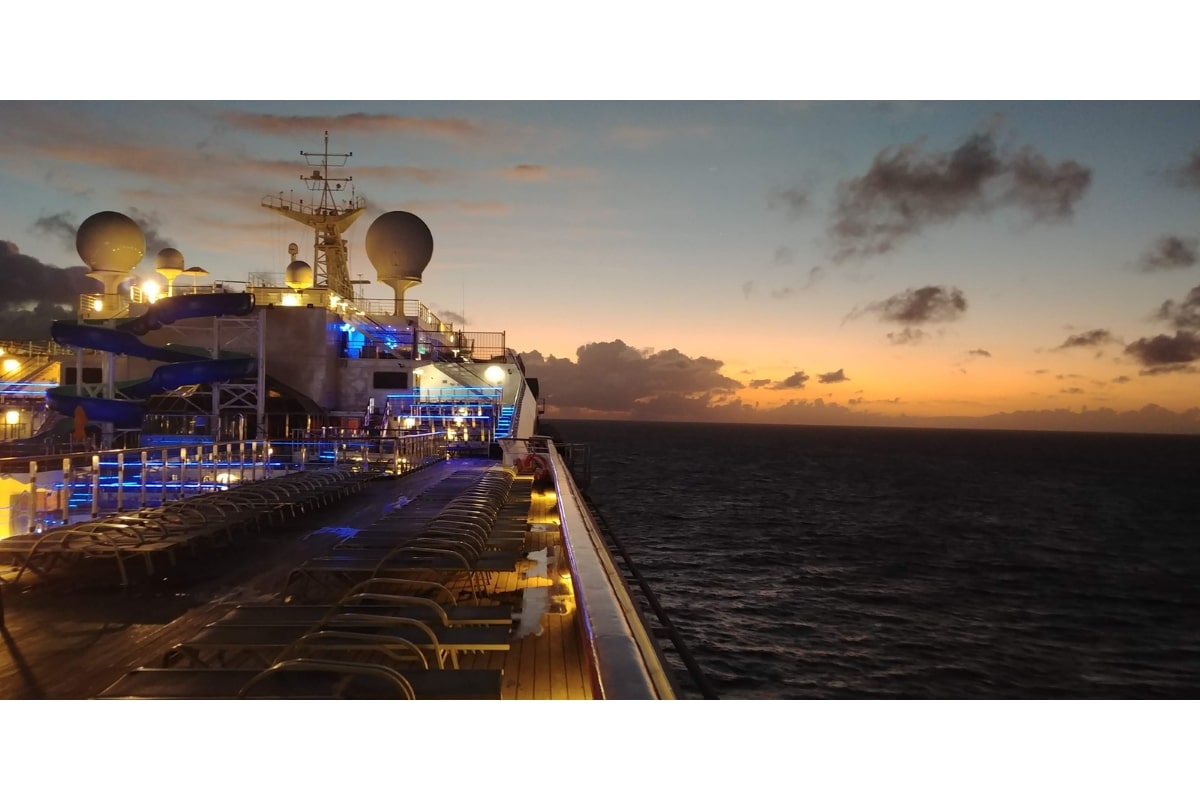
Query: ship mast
x,y
328,218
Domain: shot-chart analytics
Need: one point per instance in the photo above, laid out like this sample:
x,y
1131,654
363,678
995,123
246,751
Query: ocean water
x,y
805,562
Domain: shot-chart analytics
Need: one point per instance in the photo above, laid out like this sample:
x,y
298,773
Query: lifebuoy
x,y
535,463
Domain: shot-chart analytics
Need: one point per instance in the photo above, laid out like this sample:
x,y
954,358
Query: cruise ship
x,y
278,488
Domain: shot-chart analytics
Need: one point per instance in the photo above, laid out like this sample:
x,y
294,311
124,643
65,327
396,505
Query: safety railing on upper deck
x,y
389,452
40,492
624,659
101,306
611,589
292,203
25,349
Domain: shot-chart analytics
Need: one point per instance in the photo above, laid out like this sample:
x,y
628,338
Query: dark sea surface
x,y
807,562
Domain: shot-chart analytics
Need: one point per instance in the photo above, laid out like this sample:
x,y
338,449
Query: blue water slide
x,y
184,306
185,365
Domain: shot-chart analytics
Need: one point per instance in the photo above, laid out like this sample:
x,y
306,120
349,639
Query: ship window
x,y
391,380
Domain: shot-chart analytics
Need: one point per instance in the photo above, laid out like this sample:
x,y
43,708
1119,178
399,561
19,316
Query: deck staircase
x,y
36,371
385,338
505,421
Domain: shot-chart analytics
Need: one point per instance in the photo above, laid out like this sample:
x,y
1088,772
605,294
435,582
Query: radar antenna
x,y
328,218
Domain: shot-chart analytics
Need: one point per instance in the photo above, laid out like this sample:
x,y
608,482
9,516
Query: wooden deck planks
x,y
558,660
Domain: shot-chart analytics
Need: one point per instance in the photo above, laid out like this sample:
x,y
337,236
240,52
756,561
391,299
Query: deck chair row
x,y
459,541
184,525
416,630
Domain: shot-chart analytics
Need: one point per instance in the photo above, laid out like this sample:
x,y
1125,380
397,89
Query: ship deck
x,y
71,640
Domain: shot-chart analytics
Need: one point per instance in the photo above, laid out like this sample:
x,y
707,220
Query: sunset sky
x,y
859,262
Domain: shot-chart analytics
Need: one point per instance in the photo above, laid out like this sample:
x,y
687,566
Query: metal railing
x,y
356,202
622,585
85,485
388,453
20,349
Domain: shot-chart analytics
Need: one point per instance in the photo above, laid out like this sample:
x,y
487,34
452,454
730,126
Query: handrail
x,y
626,663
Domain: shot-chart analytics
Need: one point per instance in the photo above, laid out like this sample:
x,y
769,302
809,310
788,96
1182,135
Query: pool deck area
x,y
71,638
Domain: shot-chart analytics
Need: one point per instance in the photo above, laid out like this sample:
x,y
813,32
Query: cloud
x,y
784,255
814,275
1182,348
1122,379
914,307
1049,193
529,172
36,294
614,377
907,335
149,222
906,190
1185,315
612,380
1169,252
1165,369
794,381
1071,390
286,125
759,383
1097,337
644,137
794,201
59,226
1149,419
832,377
1187,175
979,352
747,288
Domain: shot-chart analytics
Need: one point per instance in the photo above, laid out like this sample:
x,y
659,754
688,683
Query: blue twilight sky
x,y
857,262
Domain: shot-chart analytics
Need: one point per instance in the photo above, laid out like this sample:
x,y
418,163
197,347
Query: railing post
x,y
182,472
95,486
33,494
121,481
64,496
142,492
216,465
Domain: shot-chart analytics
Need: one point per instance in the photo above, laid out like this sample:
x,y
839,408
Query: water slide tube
x,y
185,365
